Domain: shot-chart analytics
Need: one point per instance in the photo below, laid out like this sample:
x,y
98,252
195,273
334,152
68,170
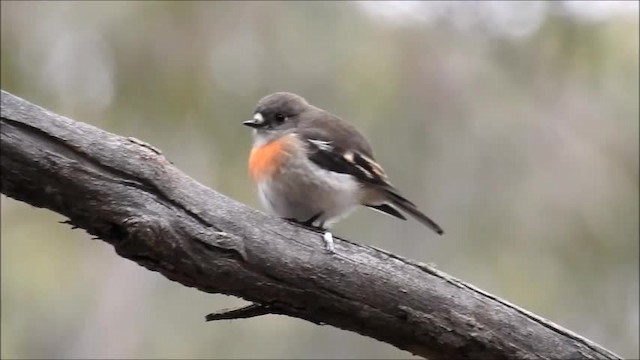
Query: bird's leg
x,y
328,237
328,241
313,219
308,223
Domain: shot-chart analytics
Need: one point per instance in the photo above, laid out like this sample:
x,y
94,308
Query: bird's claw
x,y
327,237
328,242
310,222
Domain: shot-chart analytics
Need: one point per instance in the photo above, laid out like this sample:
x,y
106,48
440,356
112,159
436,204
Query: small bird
x,y
314,168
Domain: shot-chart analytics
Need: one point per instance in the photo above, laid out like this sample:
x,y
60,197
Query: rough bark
x,y
128,194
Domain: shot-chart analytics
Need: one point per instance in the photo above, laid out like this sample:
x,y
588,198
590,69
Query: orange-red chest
x,y
265,160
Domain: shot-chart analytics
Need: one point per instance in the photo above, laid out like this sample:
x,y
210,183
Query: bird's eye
x,y
280,118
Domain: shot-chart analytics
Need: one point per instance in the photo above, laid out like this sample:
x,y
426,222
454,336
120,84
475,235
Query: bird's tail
x,y
410,208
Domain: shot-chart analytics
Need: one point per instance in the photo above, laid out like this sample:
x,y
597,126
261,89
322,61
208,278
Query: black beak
x,y
256,122
253,123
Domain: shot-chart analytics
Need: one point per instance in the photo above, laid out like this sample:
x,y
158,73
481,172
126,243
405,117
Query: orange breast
x,y
265,160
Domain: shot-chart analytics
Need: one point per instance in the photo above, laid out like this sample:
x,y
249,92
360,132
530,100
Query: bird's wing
x,y
345,151
343,134
336,159
348,152
327,155
349,161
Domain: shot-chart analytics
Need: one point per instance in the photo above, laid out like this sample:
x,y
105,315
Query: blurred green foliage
x,y
514,125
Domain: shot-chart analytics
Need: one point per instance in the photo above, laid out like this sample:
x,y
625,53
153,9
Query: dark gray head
x,y
278,111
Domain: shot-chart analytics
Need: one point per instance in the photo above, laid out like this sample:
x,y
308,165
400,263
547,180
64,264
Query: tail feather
x,y
388,209
410,208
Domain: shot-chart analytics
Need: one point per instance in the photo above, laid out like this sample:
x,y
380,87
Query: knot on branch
x,y
136,235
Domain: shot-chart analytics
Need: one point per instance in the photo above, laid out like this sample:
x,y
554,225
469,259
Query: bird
x,y
314,168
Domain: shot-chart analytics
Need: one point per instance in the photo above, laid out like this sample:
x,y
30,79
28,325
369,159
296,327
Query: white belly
x,y
308,191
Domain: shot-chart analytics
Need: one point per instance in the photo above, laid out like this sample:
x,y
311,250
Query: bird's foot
x,y
309,222
328,242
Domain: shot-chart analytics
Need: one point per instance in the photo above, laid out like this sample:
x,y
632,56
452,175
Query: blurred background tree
x,y
513,124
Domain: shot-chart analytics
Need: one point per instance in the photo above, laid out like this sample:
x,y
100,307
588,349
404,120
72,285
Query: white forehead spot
x,y
258,118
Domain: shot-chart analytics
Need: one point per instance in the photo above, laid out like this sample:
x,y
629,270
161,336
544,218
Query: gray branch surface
x,y
128,194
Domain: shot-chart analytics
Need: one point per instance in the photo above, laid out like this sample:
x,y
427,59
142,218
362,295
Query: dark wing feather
x,y
343,134
388,209
346,151
409,207
339,160
368,172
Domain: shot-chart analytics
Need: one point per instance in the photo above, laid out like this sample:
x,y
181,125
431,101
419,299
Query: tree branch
x,y
128,194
